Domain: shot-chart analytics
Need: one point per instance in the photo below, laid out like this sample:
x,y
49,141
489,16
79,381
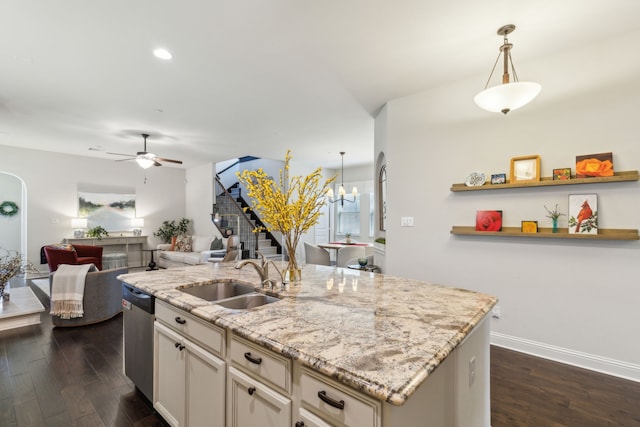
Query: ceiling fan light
x,y
507,97
144,162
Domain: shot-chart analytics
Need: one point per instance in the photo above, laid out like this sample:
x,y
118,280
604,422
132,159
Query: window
x,y
348,218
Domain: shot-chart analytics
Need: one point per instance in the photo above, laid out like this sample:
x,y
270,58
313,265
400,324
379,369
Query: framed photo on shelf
x,y
489,221
525,169
499,178
594,165
583,214
562,174
529,226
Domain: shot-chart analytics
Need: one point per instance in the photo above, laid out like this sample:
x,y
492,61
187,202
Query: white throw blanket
x,y
67,290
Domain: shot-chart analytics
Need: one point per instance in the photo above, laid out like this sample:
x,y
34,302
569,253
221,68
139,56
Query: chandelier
x,y
341,191
509,95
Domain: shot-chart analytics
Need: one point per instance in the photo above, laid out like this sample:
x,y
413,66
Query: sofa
x,y
102,298
196,251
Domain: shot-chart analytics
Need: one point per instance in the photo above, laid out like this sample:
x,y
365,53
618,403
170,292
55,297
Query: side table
x,y
152,263
368,267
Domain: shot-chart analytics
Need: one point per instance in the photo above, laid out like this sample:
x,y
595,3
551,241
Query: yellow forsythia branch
x,y
293,206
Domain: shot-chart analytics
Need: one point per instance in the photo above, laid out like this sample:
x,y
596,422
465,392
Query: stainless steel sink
x,y
219,290
248,301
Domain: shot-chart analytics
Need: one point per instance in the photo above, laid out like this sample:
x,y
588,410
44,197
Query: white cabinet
x,y
307,419
336,404
251,403
189,381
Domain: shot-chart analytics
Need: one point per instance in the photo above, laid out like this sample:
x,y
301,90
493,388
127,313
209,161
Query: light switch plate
x,y
406,221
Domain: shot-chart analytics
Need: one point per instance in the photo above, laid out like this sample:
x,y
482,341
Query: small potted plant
x,y
169,230
98,232
348,237
554,215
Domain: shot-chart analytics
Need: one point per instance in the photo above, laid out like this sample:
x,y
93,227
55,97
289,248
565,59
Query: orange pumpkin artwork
x,y
594,165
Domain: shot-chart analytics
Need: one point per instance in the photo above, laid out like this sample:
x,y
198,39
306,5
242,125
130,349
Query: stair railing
x,y
227,205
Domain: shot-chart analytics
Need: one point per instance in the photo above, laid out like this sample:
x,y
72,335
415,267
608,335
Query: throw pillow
x,y
183,244
63,246
216,244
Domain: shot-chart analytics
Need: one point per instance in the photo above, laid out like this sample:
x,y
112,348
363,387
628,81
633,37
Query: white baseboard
x,y
629,371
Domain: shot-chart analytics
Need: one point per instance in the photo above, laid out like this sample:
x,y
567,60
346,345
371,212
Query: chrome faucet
x,y
262,268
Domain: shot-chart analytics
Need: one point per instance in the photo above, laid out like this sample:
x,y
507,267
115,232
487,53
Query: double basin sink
x,y
228,294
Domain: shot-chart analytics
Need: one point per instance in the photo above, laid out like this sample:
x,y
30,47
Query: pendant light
x,y
341,191
509,95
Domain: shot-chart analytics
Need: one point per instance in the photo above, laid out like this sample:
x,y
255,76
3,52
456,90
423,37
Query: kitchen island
x,y
412,348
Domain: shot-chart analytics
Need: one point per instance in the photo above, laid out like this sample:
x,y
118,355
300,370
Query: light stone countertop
x,y
380,334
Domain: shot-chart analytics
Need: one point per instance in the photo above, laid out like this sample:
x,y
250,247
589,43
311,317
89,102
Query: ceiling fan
x,y
144,158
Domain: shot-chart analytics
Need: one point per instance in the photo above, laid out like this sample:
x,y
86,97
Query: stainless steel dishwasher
x,y
139,314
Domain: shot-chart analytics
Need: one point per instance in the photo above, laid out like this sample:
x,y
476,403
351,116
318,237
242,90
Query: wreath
x,y
8,209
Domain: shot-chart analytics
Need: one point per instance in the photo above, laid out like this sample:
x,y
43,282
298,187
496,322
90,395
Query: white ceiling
x,y
256,77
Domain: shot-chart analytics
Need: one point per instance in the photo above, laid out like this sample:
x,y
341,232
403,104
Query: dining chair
x,y
347,253
316,255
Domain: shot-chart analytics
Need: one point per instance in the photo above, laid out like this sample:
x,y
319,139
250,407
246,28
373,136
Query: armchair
x,y
79,254
102,298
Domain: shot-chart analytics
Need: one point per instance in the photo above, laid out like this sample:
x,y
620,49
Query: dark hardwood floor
x,y
530,391
68,377
73,377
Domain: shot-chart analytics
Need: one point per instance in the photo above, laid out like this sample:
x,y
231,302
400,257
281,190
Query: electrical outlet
x,y
472,371
495,313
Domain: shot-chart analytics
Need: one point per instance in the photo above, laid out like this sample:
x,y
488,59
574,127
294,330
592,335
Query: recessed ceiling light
x,y
162,53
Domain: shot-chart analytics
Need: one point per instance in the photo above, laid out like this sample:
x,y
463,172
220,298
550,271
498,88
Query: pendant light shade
x,y
507,96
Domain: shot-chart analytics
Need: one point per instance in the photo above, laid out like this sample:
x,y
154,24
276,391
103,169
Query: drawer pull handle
x,y
180,321
251,390
300,424
250,358
329,401
179,346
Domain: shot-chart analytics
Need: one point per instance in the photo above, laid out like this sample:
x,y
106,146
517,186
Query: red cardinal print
x,y
584,213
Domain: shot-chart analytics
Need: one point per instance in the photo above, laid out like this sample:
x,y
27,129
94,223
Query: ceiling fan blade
x,y
168,160
125,160
120,154
156,163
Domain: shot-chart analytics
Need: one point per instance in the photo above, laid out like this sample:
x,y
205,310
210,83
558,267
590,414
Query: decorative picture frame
x,y
529,226
562,174
489,220
498,178
583,214
594,165
525,169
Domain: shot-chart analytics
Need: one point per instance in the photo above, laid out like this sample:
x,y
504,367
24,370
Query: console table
x,y
130,245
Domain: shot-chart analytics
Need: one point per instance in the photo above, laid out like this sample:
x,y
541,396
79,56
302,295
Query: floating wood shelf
x,y
549,181
603,233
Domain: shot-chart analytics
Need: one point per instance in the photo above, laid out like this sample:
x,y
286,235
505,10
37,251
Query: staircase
x,y
233,209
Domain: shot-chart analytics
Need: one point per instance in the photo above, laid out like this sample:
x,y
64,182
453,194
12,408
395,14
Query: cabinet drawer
x,y
206,334
262,363
335,403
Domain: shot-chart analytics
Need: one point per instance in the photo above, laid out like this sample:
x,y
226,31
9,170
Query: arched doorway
x,y
13,225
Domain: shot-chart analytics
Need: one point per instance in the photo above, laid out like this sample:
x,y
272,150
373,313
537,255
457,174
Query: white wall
x,y
573,300
199,197
52,179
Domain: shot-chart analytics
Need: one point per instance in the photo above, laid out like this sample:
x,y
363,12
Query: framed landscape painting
x,y
112,211
583,214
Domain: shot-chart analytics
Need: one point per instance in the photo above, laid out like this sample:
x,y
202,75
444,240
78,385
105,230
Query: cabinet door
x,y
169,375
205,398
251,403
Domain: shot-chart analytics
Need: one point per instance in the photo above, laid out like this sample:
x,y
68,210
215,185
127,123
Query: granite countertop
x,y
380,334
